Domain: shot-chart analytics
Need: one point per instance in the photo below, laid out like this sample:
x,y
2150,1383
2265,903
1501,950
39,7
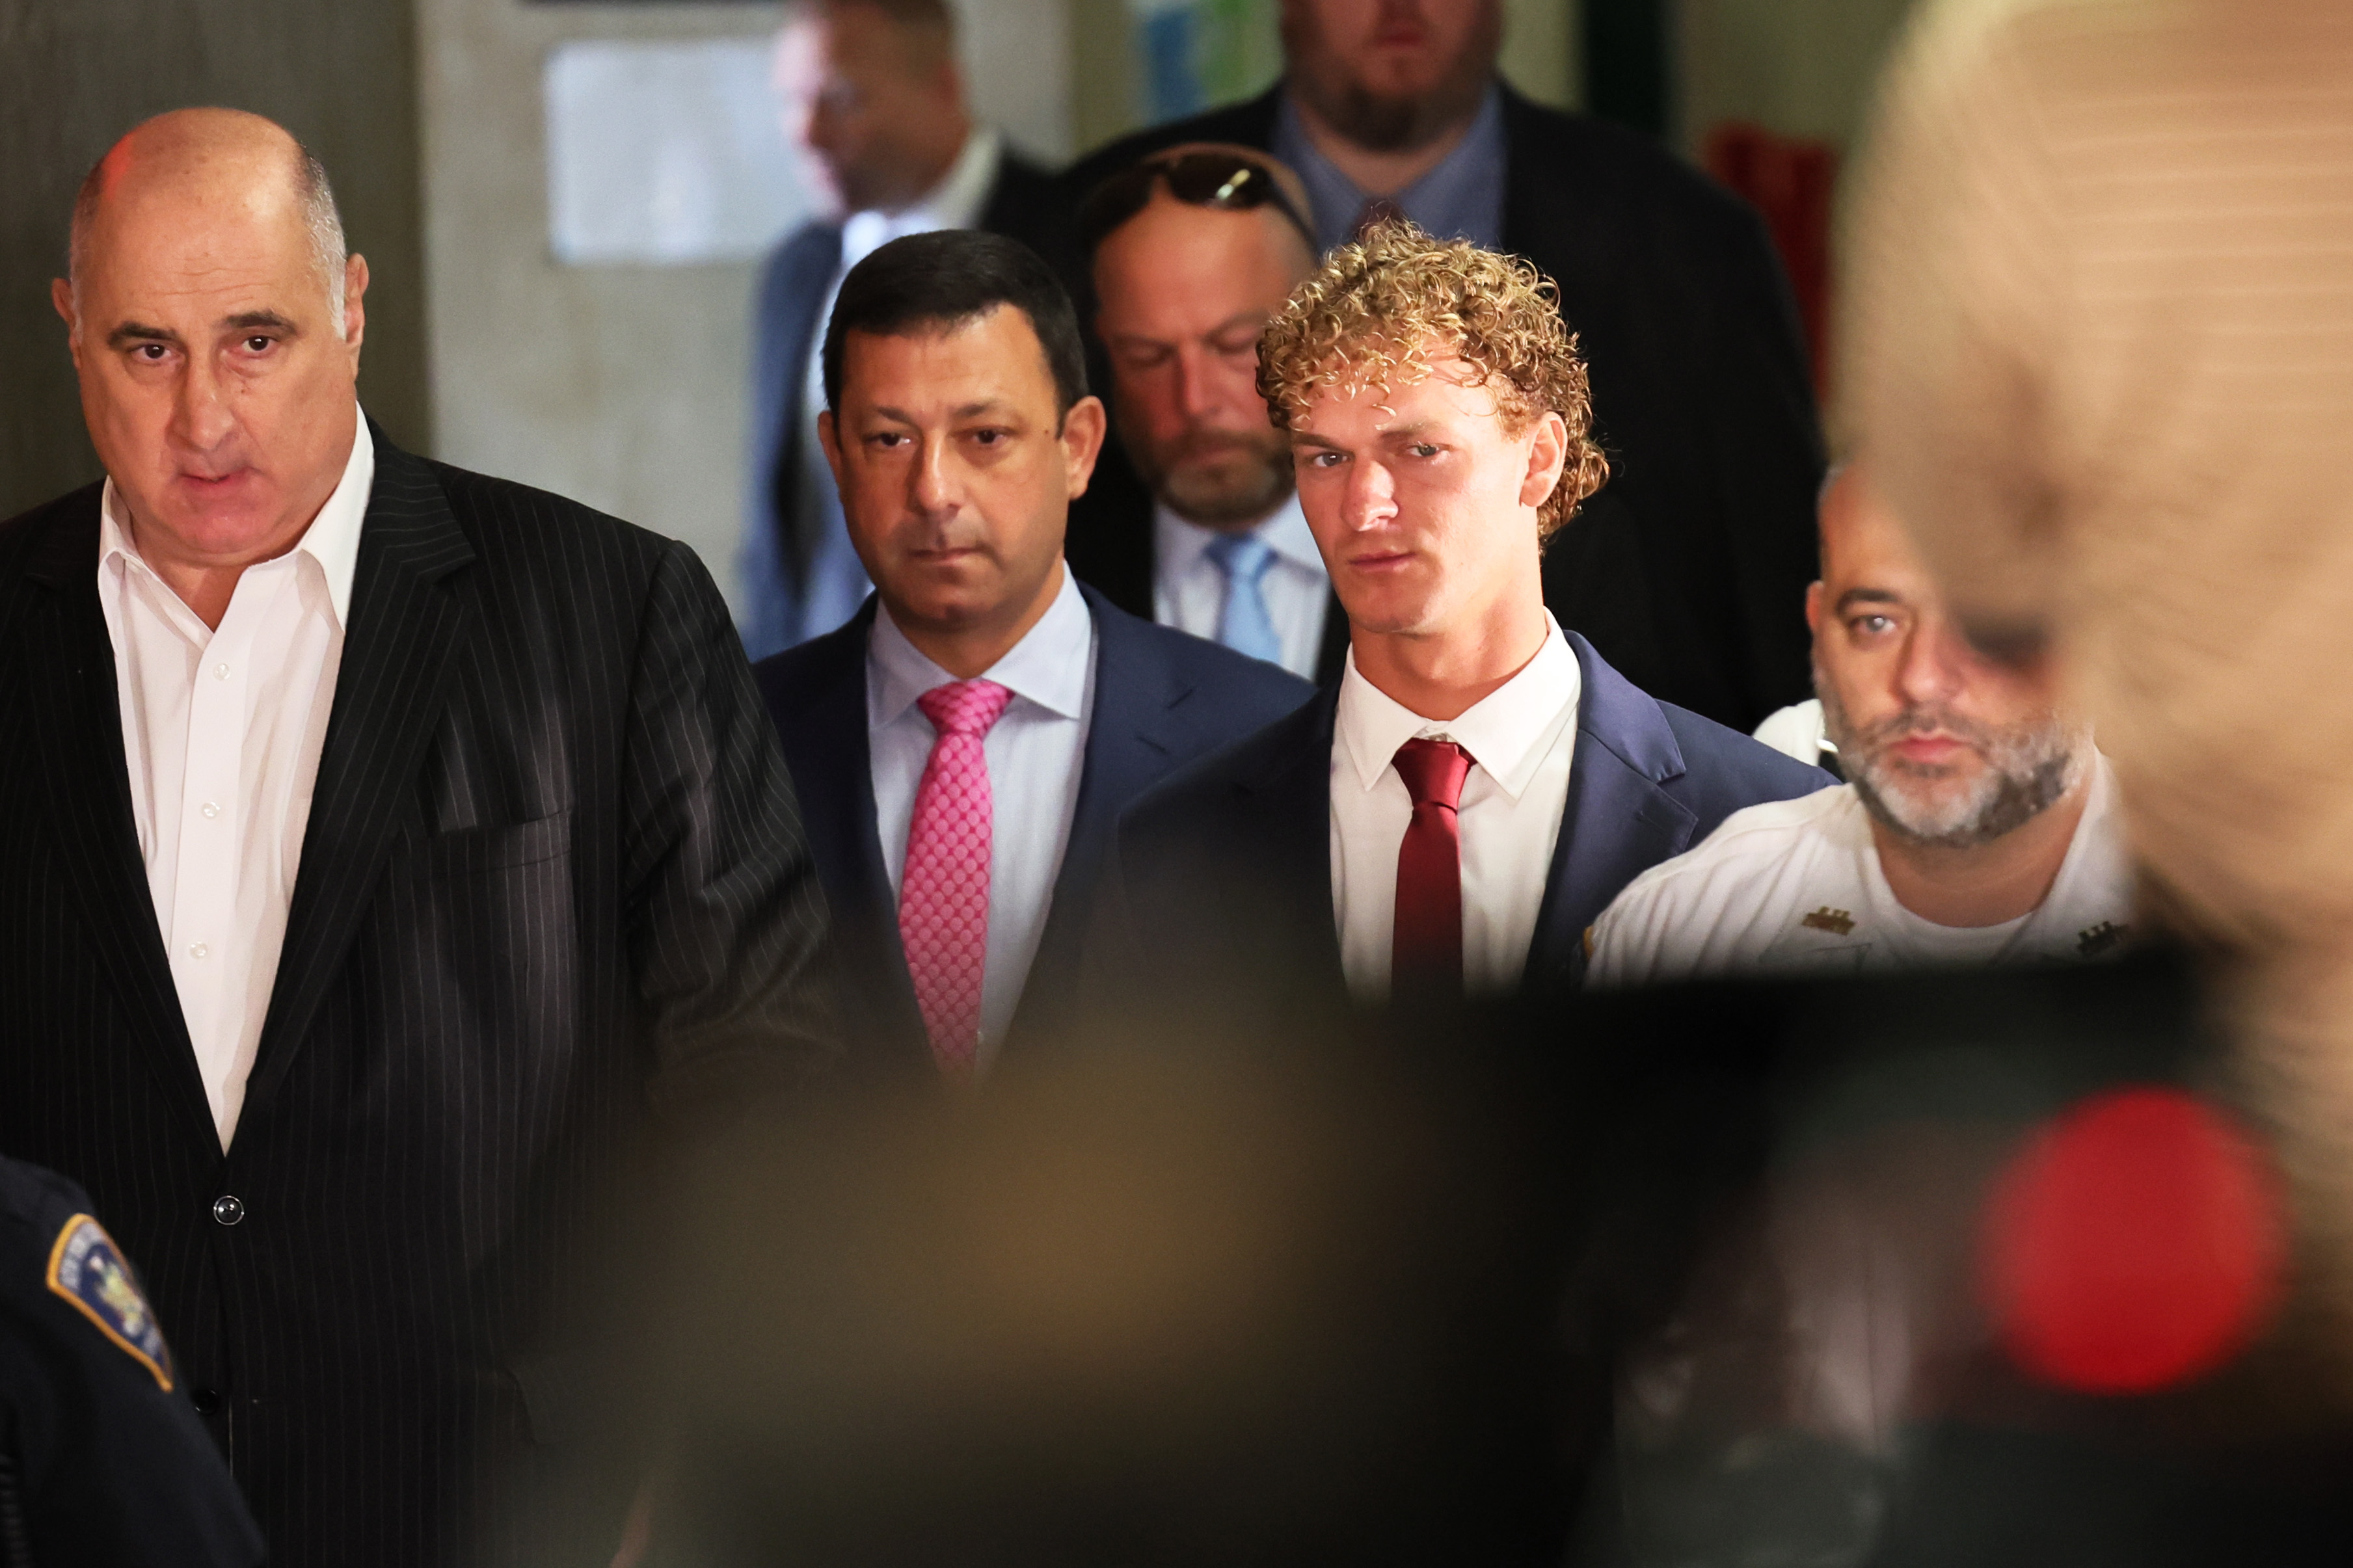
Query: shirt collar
x,y
1180,541
1048,667
333,539
954,202
1507,732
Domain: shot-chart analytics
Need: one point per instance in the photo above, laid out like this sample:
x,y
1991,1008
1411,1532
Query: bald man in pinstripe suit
x,y
384,849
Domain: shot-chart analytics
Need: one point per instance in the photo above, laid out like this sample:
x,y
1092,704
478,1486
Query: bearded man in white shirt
x,y
1444,820
1978,825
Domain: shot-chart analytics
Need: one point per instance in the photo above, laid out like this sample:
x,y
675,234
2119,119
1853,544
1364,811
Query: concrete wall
x,y
621,386
76,74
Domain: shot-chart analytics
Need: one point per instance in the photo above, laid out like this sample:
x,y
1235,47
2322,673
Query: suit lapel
x,y
825,740
1289,816
1618,821
77,741
408,621
1128,747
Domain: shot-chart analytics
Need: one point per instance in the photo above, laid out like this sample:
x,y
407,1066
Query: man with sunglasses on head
x,y
1193,250
1688,580
962,748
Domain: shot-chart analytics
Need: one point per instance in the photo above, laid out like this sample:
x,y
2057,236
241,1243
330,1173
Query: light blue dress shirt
x,y
1035,752
1188,591
1461,198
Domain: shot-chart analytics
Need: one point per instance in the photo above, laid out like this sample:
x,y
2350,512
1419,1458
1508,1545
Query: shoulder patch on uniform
x,y
87,1270
1838,922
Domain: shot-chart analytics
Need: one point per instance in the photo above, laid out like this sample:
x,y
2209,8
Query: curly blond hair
x,y
1377,309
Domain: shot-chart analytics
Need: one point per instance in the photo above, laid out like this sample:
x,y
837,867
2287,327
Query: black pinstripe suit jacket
x,y
554,879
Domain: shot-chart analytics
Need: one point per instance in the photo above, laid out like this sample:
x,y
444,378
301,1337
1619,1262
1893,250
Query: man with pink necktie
x,y
963,746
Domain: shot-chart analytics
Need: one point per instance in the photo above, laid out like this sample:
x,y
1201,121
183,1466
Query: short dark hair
x,y
942,280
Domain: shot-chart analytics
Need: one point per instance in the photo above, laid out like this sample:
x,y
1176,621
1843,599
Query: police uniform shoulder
x,y
1755,834
38,1202
52,1244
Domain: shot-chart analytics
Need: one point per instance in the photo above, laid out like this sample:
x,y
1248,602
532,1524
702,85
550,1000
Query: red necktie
x,y
1426,948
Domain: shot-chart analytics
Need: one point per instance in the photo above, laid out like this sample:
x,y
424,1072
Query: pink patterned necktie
x,y
943,892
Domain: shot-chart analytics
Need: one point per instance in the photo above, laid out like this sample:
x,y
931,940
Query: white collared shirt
x,y
1796,886
1189,589
221,734
1035,752
1522,737
954,202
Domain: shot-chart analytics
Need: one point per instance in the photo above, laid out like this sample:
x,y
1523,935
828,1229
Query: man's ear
x,y
61,297
1547,456
355,282
1083,438
828,436
1814,607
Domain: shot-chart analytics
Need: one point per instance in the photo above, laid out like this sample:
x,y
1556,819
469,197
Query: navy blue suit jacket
x,y
1162,699
1217,909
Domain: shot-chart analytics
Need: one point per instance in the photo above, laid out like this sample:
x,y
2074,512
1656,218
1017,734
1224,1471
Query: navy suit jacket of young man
x,y
1217,912
1162,699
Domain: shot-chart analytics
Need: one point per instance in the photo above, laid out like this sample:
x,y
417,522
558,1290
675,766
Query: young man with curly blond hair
x,y
1448,817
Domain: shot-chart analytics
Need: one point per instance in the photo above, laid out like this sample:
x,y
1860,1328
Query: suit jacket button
x,y
207,1401
229,1208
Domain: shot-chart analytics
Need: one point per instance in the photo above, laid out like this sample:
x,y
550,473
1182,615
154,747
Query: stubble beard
x,y
1221,496
2029,768
1383,121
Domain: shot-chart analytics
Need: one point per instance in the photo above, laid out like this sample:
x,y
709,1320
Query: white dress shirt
x,y
1796,886
1189,589
221,735
1521,737
1035,752
954,202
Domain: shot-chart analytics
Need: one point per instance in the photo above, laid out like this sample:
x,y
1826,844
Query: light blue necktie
x,y
1243,624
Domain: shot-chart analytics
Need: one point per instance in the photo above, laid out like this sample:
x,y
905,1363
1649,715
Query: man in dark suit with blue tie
x,y
1448,817
963,746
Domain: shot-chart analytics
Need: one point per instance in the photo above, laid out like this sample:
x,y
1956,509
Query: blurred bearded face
x,y
1391,75
1184,292
1944,747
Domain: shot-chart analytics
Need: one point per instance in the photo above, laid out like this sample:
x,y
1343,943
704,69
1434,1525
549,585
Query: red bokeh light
x,y
2138,1241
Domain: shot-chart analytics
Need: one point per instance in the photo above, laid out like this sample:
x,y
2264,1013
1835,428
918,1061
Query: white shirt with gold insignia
x,y
1795,887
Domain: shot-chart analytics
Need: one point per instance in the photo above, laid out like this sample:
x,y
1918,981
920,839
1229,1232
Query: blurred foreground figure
x,y
383,842
2098,350
1964,1271
1448,817
1977,825
963,747
1687,575
1959,1271
101,1459
875,98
